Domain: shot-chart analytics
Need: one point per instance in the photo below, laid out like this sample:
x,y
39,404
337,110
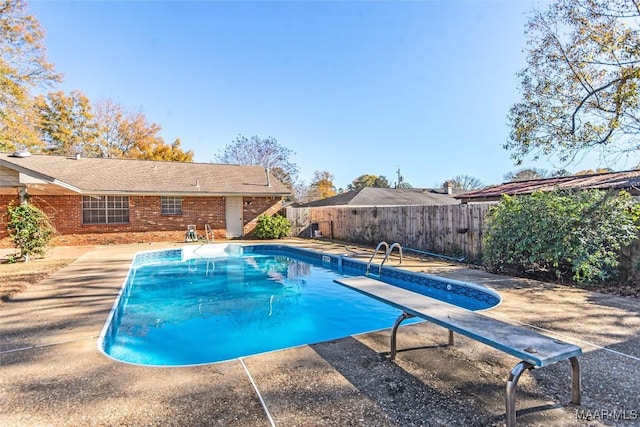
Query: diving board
x,y
534,349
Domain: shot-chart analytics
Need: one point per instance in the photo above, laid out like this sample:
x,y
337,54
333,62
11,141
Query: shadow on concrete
x,y
404,398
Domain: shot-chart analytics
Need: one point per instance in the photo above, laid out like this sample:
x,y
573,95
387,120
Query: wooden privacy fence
x,y
452,230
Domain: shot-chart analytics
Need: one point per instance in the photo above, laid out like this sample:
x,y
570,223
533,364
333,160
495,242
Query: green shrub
x,y
574,235
272,227
29,228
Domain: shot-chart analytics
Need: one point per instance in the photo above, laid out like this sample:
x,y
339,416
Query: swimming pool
x,y
210,303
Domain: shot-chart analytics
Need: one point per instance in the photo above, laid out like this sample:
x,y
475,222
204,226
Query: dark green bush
x,y
272,227
563,235
29,228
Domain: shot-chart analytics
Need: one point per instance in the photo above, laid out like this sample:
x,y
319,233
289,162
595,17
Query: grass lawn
x,y
17,277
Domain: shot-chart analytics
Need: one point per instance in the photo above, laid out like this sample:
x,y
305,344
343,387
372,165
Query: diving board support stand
x,y
404,316
514,376
510,398
394,330
534,349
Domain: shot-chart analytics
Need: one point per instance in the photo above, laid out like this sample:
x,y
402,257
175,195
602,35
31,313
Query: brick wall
x,y
4,219
145,215
256,206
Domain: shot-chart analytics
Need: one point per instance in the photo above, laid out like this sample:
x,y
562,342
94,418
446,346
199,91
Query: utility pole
x,y
399,178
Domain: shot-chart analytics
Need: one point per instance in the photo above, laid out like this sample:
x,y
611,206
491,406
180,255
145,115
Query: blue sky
x,y
360,87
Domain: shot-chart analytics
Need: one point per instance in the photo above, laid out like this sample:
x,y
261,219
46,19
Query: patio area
x,y
52,373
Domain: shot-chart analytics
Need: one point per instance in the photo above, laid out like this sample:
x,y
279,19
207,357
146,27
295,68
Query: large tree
x,y
129,135
580,88
66,123
157,149
23,67
119,131
594,171
466,182
526,174
304,193
62,124
534,173
267,153
109,115
368,181
323,183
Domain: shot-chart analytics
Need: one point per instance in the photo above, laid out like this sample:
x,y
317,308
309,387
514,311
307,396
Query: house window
x,y
171,205
105,209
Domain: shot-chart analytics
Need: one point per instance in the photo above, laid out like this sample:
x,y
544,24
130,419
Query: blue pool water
x,y
208,304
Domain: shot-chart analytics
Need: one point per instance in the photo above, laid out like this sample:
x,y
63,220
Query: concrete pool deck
x,y
52,374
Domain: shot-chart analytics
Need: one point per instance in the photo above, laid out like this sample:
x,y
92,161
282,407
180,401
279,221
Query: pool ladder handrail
x,y
381,244
208,232
394,245
386,256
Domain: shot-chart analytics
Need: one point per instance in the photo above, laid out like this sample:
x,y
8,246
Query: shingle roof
x,y
103,175
374,196
628,180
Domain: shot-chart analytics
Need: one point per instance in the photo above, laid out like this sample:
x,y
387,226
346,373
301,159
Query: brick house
x,y
101,195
